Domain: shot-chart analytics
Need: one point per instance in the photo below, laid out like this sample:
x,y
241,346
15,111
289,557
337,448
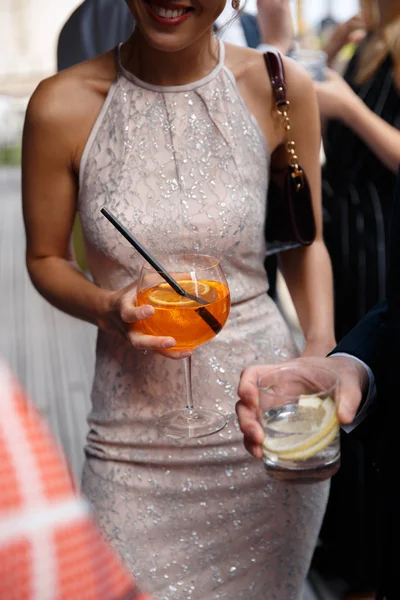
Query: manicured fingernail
x,y
169,343
148,311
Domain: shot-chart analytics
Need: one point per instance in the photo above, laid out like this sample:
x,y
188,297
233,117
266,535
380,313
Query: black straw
x,y
148,257
202,311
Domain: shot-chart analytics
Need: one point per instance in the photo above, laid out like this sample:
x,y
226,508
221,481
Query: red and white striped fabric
x,y
50,548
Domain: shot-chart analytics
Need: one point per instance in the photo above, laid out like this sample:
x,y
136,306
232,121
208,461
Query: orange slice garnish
x,y
164,295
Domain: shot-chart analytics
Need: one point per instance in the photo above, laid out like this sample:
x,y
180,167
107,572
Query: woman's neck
x,y
170,68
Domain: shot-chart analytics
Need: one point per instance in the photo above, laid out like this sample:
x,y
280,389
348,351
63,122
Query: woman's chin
x,y
167,42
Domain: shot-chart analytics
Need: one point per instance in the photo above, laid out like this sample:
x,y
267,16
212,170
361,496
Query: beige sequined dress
x,y
185,168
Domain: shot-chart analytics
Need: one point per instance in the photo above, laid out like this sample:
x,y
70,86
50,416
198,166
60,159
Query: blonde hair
x,y
384,40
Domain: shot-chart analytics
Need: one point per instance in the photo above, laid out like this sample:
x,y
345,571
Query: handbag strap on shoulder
x,y
276,71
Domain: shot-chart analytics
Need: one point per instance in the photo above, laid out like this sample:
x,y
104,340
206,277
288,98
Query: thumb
x,y
349,399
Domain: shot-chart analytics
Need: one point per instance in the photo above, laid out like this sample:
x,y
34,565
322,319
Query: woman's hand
x,y
335,96
352,30
120,316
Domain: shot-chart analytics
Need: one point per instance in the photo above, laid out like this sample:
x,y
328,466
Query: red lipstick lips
x,y
161,11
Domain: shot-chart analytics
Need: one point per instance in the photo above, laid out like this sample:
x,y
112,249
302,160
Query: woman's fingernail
x,y
169,343
148,311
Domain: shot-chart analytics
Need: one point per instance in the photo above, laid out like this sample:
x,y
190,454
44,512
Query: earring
x,y
235,4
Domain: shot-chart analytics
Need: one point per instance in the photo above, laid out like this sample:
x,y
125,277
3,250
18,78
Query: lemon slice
x,y
314,421
164,295
304,453
310,401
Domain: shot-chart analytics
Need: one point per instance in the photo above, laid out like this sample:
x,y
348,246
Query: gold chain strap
x,y
297,173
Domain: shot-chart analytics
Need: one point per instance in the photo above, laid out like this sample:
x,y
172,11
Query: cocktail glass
x,y
190,323
301,427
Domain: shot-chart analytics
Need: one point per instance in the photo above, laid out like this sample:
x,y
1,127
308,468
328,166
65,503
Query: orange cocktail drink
x,y
191,301
177,315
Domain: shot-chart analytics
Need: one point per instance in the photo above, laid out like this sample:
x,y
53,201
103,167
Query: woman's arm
x,y
49,190
338,101
275,23
307,270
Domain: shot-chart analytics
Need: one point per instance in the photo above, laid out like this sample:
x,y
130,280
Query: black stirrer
x,y
201,311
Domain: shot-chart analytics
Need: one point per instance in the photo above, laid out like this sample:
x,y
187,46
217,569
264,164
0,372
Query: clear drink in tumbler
x,y
301,427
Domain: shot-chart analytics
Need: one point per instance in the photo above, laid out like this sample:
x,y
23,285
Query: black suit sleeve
x,y
370,339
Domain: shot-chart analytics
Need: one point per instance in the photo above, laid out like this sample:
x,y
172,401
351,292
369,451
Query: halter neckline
x,y
172,88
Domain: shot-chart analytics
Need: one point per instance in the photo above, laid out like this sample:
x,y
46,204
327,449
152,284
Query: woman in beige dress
x,y
173,132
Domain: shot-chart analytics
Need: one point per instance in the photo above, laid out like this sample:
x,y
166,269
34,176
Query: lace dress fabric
x,y
185,169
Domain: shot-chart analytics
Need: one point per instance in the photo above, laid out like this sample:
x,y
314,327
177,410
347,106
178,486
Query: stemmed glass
x,y
190,323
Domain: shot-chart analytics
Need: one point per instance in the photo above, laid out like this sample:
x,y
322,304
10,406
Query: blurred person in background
x,y
361,121
50,546
174,133
94,27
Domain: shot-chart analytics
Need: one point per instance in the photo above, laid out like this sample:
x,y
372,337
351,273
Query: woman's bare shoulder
x,y
72,93
248,67
240,59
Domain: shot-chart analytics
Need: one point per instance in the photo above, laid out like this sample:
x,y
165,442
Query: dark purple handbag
x,y
290,219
